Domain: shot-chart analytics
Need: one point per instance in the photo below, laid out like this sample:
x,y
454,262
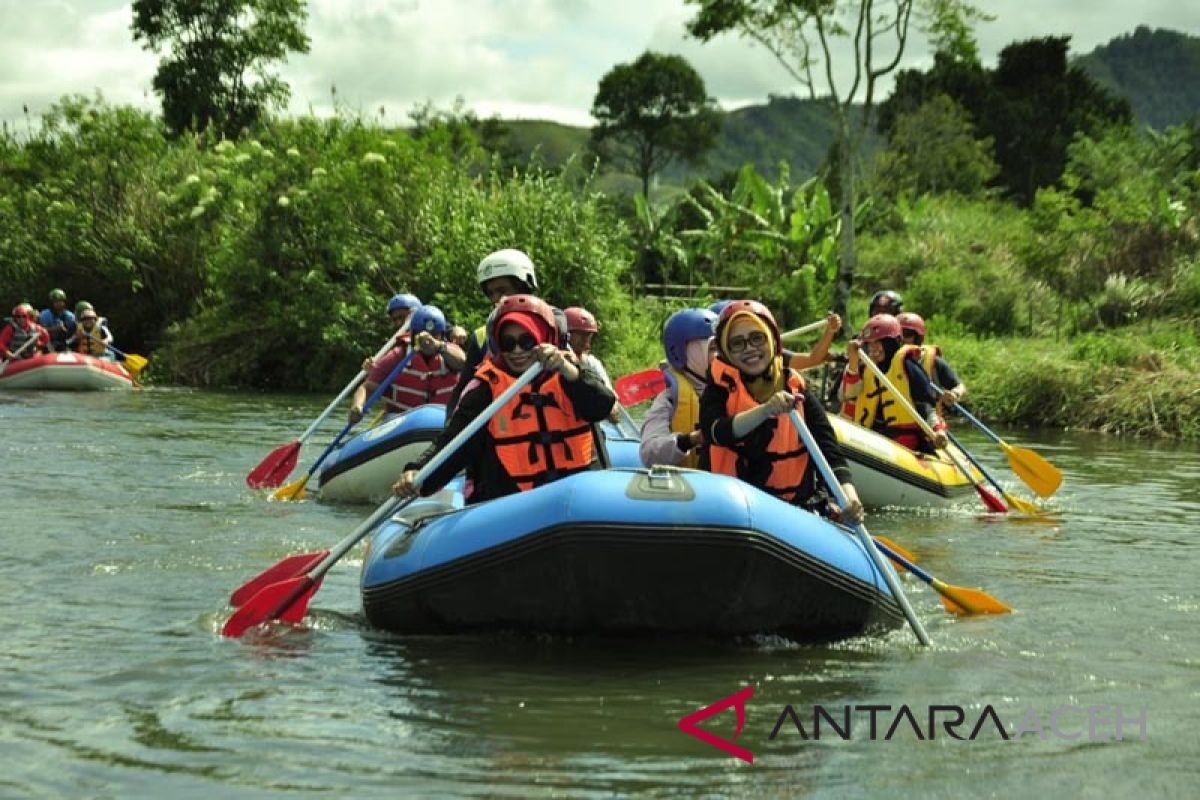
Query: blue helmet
x,y
719,306
408,301
429,319
681,328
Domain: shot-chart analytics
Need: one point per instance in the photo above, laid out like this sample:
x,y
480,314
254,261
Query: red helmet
x,y
880,326
527,304
580,319
754,307
911,322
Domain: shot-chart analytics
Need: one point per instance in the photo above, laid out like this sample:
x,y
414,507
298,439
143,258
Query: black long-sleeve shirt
x,y
717,425
589,396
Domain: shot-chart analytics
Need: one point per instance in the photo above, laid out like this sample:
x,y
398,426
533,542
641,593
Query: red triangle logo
x,y
738,701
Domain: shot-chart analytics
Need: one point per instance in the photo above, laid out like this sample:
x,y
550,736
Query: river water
x,y
126,522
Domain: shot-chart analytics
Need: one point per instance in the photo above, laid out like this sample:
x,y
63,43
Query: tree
x,y
652,112
1042,104
934,149
801,33
215,70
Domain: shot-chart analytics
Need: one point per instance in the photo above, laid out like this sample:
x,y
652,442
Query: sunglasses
x,y
510,343
739,343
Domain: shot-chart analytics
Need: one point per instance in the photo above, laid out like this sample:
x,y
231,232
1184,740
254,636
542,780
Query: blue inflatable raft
x,y
364,468
618,551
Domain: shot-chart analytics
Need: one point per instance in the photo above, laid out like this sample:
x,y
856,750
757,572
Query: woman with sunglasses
x,y
743,414
14,338
542,434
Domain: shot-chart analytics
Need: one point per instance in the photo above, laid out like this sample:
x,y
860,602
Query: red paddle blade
x,y
994,504
286,600
639,387
273,470
290,567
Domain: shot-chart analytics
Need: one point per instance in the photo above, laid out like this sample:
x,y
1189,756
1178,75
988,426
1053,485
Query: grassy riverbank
x,y
1141,380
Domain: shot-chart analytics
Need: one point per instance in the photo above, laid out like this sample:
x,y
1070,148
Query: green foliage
x,y
778,241
651,112
1158,71
215,71
934,149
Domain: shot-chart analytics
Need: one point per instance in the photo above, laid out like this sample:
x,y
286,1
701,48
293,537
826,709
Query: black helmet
x,y
885,302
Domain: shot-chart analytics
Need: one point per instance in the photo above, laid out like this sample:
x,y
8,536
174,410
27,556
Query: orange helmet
x,y
911,322
880,326
580,319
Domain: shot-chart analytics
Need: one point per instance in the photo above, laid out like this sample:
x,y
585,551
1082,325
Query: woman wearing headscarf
x,y
743,414
543,434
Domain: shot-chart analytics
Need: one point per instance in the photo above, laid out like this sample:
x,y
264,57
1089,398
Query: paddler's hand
x,y
854,511
780,403
553,360
939,440
407,485
356,414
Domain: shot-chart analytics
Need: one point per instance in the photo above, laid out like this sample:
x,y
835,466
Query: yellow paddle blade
x,y
134,364
1024,506
293,491
965,602
378,417
908,554
1036,472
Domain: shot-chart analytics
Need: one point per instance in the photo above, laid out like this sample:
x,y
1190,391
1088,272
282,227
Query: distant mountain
x,y
786,129
1157,71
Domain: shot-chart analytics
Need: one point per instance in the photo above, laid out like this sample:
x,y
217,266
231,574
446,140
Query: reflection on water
x,y
127,522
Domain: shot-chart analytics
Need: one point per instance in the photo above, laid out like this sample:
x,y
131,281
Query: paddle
x,y
1024,506
993,503
4,364
295,489
956,599
859,529
803,329
287,598
273,470
133,363
1038,474
638,387
628,418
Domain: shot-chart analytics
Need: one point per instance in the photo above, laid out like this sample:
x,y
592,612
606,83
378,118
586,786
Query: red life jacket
x,y
426,379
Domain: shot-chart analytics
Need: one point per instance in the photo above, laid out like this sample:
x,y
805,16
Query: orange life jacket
x,y
786,451
426,379
538,436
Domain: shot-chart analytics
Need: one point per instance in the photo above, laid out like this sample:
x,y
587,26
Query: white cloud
x,y
529,58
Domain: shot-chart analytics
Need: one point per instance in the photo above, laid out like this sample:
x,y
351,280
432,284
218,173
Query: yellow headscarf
x,y
770,380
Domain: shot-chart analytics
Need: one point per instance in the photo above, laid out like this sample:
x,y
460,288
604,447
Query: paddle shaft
x,y
868,543
983,470
375,395
21,349
342,395
803,329
625,415
924,426
394,504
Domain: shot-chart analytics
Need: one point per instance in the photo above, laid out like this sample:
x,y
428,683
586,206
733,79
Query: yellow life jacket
x,y
876,404
538,437
785,451
86,344
686,418
929,357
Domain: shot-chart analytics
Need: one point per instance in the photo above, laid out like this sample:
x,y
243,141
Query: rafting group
x,y
515,499
61,349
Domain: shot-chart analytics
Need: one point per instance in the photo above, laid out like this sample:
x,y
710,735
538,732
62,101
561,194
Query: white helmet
x,y
512,263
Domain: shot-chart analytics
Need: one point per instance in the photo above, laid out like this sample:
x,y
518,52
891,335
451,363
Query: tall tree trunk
x,y
848,256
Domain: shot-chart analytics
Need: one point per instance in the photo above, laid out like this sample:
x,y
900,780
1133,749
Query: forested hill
x,y
789,129
1157,71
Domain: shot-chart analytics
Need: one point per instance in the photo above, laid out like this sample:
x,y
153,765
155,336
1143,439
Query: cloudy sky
x,y
515,58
